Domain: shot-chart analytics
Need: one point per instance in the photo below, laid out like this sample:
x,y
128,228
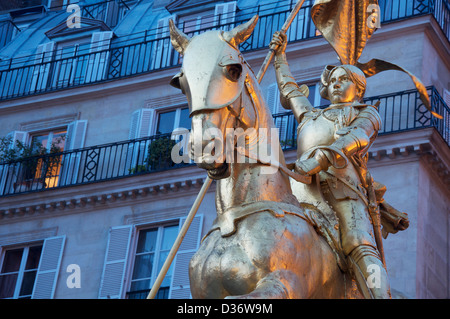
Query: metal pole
x,y
271,52
208,180
180,238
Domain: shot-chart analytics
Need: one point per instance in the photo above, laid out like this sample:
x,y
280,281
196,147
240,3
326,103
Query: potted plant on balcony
x,y
159,153
28,165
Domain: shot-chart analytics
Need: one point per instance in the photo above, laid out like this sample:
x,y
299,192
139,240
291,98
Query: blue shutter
x,y
180,287
76,133
8,173
48,270
98,56
163,51
41,71
113,276
141,126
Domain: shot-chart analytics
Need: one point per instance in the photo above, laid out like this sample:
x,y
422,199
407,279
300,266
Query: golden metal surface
x,y
347,25
333,143
264,243
311,233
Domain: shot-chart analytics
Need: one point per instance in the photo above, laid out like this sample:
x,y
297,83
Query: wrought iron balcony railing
x,y
151,50
401,111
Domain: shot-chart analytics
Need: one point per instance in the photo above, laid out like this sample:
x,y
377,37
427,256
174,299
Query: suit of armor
x,y
333,143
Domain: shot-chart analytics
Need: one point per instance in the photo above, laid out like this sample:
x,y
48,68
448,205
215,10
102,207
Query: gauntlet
x,y
351,140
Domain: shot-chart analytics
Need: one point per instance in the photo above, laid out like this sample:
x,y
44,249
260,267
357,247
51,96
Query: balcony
x,y
400,112
150,51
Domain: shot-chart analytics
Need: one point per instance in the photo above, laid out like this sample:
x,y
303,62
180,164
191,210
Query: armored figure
x,y
333,143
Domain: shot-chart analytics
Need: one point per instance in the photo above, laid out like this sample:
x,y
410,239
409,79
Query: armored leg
x,y
359,245
369,272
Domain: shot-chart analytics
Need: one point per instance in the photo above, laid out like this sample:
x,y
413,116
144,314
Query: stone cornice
x,y
113,193
166,185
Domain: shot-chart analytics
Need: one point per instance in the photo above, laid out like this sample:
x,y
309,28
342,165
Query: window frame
x,y
50,133
21,271
176,122
159,240
52,180
317,97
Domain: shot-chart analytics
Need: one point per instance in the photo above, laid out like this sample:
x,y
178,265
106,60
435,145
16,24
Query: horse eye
x,y
233,71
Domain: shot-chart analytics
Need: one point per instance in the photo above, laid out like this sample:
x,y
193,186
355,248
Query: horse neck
x,y
253,182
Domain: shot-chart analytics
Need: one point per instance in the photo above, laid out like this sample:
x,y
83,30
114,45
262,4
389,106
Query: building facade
x,y
90,200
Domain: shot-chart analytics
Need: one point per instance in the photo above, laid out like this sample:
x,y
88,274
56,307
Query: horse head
x,y
218,84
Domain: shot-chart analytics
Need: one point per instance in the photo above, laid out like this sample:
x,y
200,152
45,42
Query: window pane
x,y
140,285
34,254
163,293
168,277
147,241
324,102
27,283
59,140
143,266
7,285
165,122
12,260
169,236
312,94
185,121
39,141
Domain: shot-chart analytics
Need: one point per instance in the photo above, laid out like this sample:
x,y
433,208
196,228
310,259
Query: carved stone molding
x,y
95,196
406,146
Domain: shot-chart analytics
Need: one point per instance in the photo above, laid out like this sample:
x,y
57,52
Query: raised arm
x,y
292,96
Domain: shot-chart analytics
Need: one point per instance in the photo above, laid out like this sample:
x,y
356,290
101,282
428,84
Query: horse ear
x,y
241,33
179,40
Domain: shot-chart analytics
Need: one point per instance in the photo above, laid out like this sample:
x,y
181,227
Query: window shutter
x,y
274,104
447,97
20,136
48,270
273,98
141,123
8,173
75,137
446,115
98,55
76,132
44,55
141,126
113,276
164,51
302,26
225,13
180,286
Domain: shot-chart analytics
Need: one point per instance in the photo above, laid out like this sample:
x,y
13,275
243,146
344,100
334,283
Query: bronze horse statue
x,y
264,243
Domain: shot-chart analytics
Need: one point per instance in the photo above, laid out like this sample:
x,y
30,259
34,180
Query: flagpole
x,y
208,180
271,52
179,238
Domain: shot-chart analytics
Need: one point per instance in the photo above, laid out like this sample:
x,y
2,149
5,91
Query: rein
x,y
305,179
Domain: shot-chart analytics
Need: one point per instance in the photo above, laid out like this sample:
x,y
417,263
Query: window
x,y
133,280
314,97
49,167
195,22
18,271
152,249
168,121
